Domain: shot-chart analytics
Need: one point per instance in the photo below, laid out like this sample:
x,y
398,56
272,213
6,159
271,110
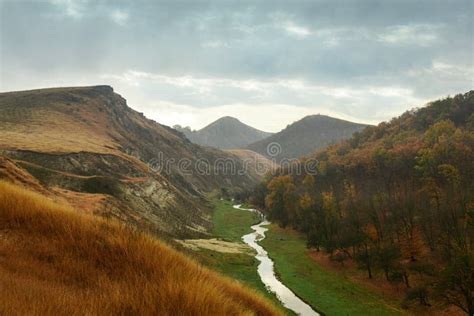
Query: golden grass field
x,y
54,260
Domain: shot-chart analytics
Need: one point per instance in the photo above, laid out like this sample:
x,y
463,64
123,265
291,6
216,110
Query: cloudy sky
x,y
267,63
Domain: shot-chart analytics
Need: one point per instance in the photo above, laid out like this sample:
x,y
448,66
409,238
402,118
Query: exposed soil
x,y
215,245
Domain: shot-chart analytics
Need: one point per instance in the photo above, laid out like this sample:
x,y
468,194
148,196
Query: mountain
x,y
225,133
305,136
396,199
55,260
84,145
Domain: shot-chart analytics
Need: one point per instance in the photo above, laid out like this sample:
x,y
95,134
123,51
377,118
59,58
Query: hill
x,y
305,136
55,260
396,200
225,133
256,165
86,146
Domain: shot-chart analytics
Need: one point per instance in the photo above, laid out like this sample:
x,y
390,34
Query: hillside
x,y
56,261
257,166
84,144
225,133
305,136
395,200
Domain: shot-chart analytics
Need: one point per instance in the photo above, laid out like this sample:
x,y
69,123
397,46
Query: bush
x,y
419,294
104,185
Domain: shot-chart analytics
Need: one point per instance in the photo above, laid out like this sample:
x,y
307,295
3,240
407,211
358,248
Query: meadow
x,y
329,292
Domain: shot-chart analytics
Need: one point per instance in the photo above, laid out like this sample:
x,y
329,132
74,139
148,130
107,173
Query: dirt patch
x,y
215,245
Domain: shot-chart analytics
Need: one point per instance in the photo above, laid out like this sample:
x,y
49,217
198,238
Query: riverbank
x,y
317,285
266,270
330,292
229,225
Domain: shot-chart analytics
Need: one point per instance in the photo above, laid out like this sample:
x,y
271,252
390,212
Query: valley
x,y
322,288
266,268
328,226
230,224
241,158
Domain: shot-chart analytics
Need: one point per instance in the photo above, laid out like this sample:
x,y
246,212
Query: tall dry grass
x,y
54,260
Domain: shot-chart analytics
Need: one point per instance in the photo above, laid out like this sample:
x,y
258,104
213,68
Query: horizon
x,y
202,126
289,123
192,128
190,63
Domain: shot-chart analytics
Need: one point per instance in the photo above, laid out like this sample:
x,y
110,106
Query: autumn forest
x,y
397,199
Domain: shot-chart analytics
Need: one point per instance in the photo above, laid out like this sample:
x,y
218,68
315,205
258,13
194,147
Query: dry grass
x,y
55,132
215,245
54,260
72,119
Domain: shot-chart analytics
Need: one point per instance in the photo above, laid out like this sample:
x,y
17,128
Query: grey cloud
x,y
352,45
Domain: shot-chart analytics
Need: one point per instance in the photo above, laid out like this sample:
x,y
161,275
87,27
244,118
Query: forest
x,y
397,198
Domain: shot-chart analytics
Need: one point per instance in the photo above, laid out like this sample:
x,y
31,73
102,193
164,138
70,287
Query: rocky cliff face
x,y
86,146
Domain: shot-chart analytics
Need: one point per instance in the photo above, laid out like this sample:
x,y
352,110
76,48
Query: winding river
x,y
266,269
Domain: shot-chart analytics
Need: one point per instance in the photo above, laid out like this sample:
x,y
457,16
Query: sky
x,y
267,63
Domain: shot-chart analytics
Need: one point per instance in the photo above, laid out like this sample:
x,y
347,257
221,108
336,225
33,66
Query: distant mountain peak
x,y
228,118
321,117
311,133
226,132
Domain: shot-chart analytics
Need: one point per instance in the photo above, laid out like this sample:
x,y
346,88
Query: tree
x,y
456,284
257,198
386,258
396,197
280,199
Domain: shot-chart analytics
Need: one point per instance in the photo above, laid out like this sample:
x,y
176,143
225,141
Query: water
x,y
267,272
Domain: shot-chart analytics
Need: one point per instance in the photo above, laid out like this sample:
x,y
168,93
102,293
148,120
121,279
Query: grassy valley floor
x,y
230,225
326,290
330,292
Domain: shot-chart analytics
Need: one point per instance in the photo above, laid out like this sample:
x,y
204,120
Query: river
x,y
266,269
